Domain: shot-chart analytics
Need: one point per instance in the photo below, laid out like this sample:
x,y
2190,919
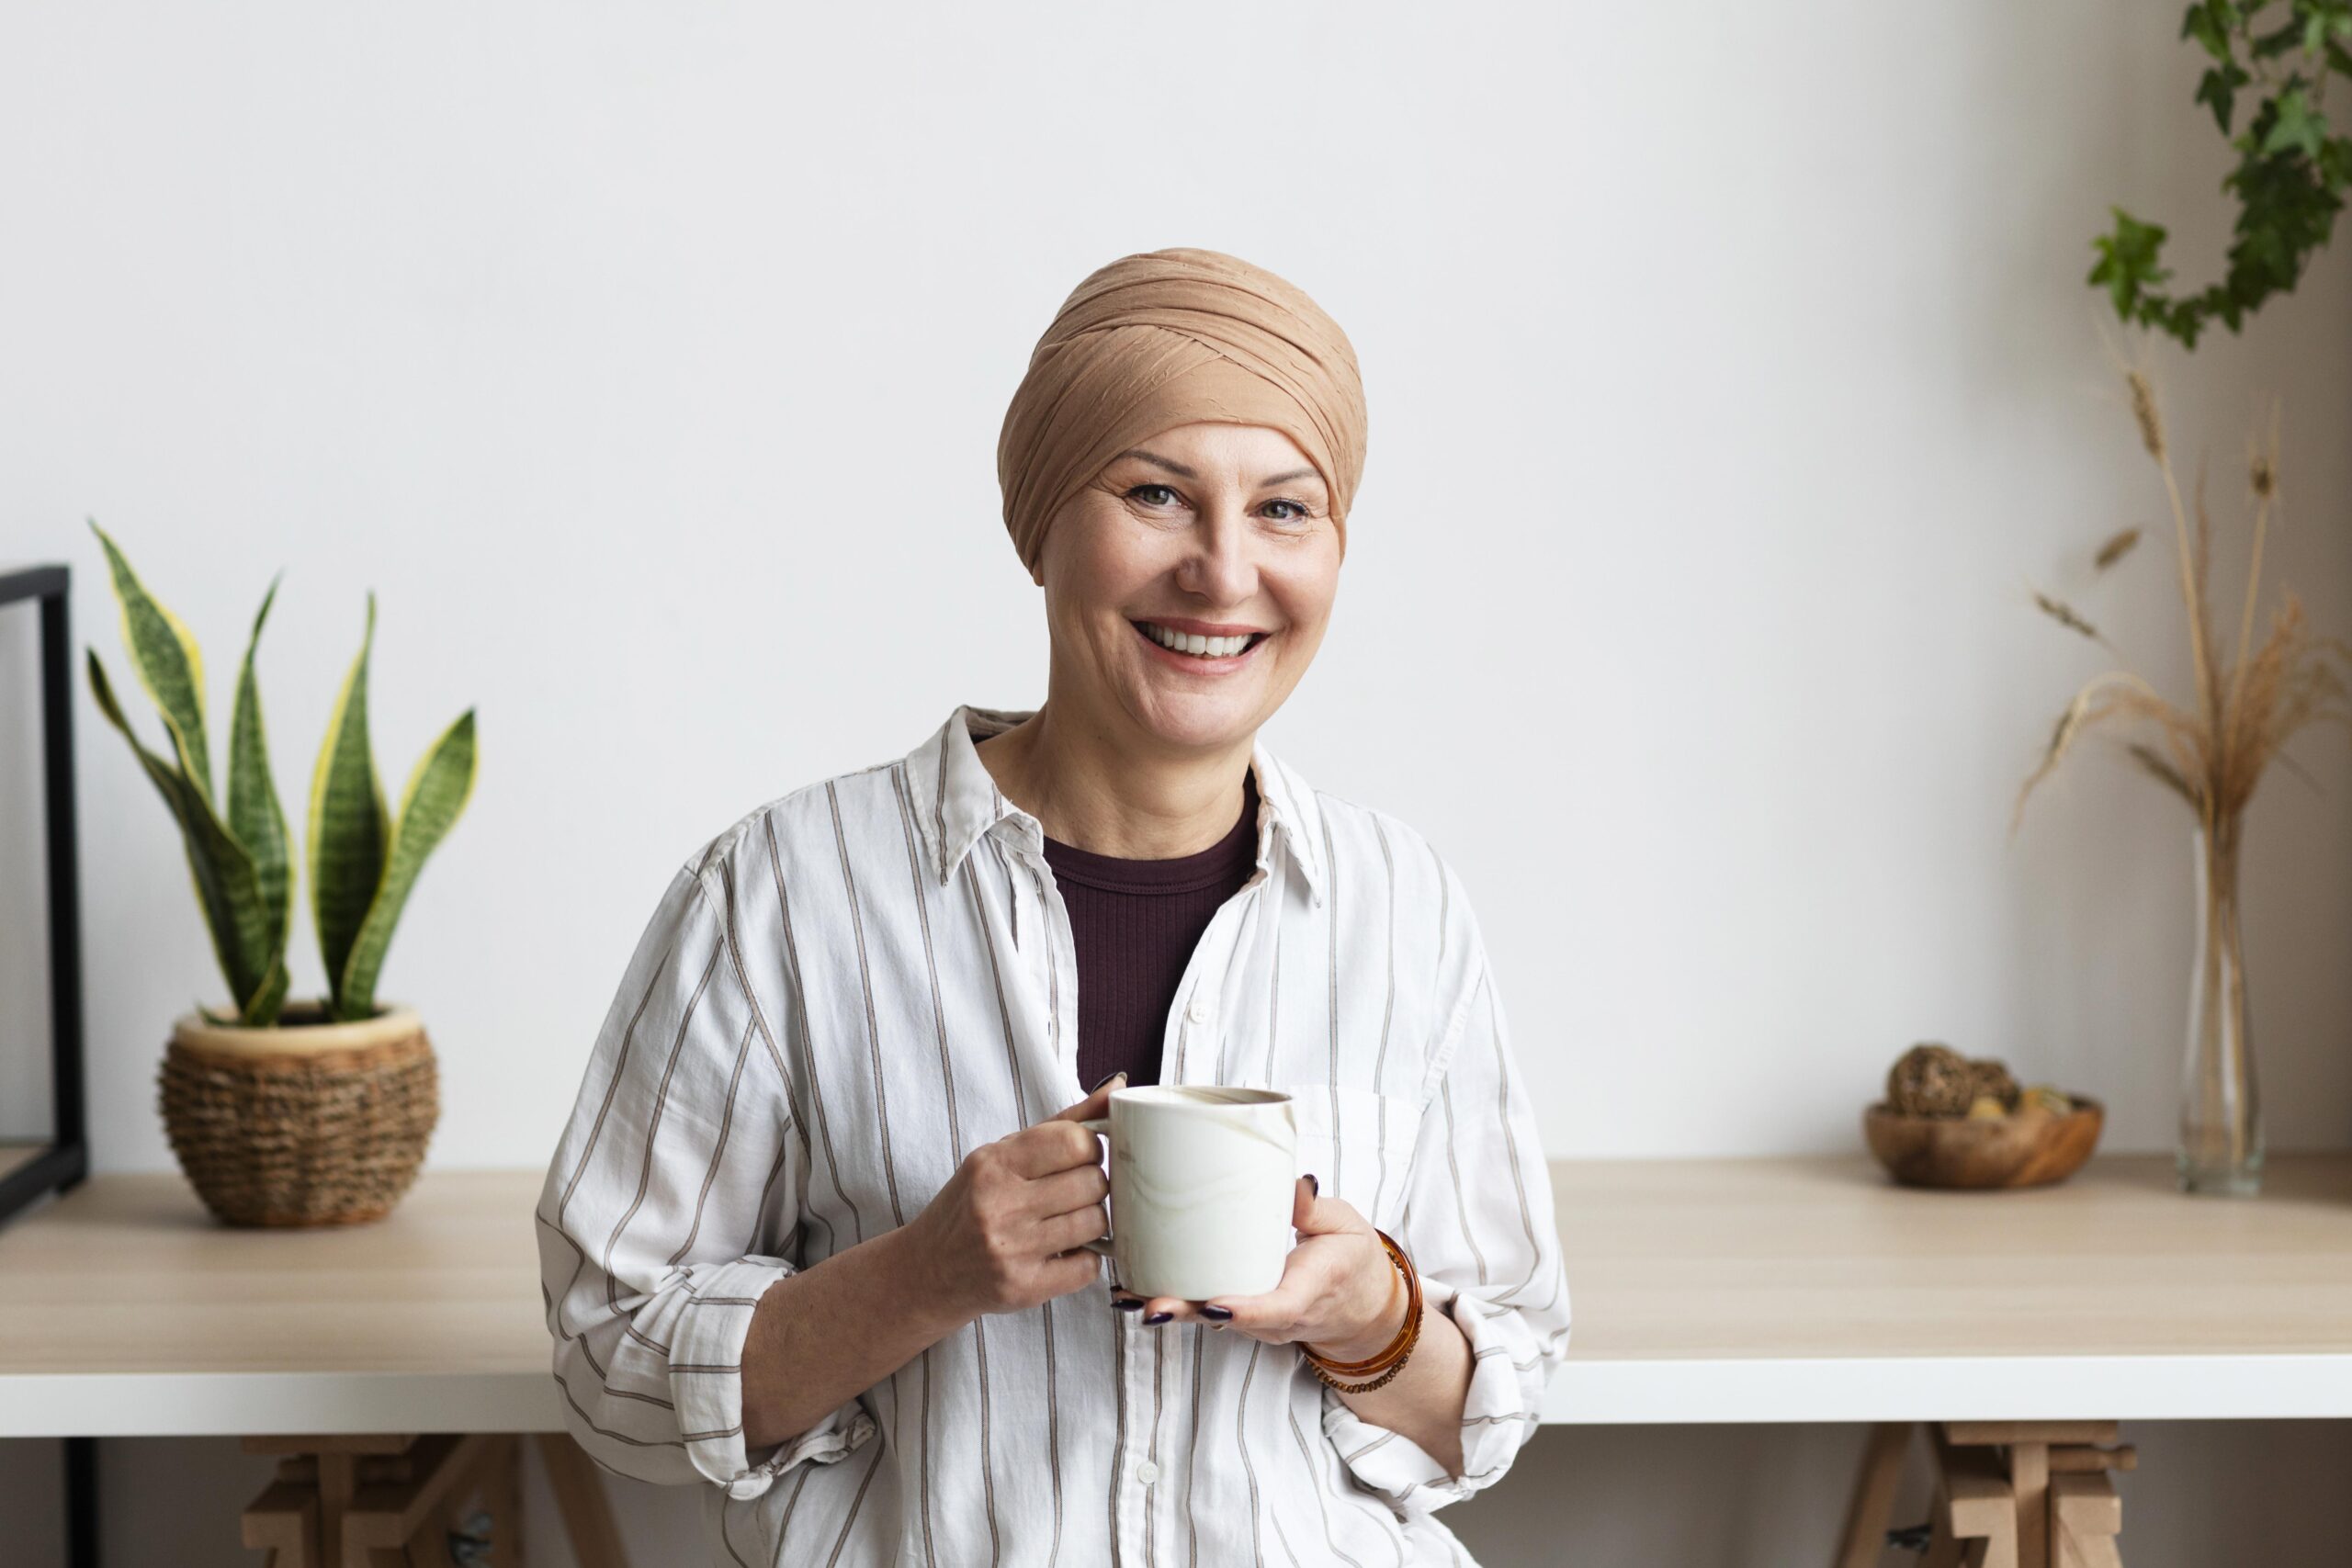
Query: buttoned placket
x,y
1192,1031
1141,1352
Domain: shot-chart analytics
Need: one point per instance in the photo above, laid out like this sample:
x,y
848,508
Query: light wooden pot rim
x,y
395,1022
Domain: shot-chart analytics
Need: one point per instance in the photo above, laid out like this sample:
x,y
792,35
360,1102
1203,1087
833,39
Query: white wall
x,y
1730,372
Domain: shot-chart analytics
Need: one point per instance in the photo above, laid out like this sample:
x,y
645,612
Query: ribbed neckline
x,y
1184,873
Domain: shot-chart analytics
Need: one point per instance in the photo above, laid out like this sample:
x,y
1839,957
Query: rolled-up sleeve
x,y
1479,1228
672,1204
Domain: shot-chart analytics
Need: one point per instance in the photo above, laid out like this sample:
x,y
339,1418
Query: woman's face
x,y
1207,530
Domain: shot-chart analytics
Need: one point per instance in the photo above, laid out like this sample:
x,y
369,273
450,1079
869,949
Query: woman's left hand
x,y
1338,1293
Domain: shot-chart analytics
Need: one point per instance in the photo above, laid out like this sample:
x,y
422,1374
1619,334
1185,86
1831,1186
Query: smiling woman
x,y
1187,589
828,1177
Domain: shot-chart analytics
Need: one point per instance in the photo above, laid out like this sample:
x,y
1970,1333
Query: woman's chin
x,y
1190,720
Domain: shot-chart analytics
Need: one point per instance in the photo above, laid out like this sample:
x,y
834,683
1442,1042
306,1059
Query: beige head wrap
x,y
1162,339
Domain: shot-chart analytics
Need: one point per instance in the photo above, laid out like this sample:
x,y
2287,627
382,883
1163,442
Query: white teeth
x,y
1191,643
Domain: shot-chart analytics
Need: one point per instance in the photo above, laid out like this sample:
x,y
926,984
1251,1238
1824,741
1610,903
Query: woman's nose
x,y
1219,567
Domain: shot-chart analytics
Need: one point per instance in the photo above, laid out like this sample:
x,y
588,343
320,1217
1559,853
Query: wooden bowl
x,y
2030,1148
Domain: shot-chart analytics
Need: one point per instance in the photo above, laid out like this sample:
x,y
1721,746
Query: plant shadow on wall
x,y
2211,751
310,1112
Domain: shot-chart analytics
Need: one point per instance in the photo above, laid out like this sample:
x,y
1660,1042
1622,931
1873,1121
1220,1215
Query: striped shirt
x,y
845,992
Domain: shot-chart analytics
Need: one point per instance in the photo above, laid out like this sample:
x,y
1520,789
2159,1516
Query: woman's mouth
x,y
1191,650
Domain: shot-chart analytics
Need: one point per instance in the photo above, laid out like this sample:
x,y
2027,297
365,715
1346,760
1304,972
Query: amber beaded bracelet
x,y
1391,1360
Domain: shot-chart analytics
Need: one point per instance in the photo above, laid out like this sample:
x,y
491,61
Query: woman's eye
x,y
1152,495
1295,512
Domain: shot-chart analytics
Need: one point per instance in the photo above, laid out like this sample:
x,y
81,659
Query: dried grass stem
x,y
2214,754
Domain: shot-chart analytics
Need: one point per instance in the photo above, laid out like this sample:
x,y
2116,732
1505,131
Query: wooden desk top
x,y
1804,1288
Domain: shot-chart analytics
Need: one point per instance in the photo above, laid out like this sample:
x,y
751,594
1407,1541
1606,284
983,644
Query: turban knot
x,y
1166,338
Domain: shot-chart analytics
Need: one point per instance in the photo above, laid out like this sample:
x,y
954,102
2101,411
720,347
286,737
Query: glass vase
x,y
2221,1115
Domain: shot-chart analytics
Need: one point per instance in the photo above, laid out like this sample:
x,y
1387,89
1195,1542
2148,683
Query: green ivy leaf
x,y
2277,41
2288,183
2298,126
2209,25
2316,28
2219,88
2128,260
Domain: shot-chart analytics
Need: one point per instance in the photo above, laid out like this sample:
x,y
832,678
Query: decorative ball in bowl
x,y
2032,1146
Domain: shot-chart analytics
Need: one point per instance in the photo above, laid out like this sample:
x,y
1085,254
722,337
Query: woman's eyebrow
x,y
1172,468
1179,468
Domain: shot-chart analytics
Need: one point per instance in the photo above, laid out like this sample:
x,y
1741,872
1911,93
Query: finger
x,y
1145,1306
1303,1282
1080,1269
1313,1215
1094,1104
1050,1148
1275,1309
1058,1143
1074,1228
1166,1309
1081,1187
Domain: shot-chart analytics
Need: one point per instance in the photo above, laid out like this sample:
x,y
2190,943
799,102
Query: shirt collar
x,y
956,799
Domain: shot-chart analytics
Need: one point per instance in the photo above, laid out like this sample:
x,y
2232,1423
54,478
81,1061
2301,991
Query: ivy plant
x,y
2271,60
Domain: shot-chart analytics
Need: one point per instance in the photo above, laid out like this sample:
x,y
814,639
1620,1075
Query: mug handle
x,y
1101,1127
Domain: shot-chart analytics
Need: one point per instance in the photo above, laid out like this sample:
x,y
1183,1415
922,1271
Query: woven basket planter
x,y
309,1124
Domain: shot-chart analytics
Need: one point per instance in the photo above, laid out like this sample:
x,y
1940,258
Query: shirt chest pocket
x,y
1359,1143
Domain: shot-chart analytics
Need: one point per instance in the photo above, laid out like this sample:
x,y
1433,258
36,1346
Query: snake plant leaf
x,y
348,824
255,816
437,790
226,888
169,663
263,1008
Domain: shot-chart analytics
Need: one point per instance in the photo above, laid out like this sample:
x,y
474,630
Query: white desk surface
x,y
1781,1289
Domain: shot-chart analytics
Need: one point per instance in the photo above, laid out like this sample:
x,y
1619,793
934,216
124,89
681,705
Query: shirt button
x,y
1146,1472
1202,1009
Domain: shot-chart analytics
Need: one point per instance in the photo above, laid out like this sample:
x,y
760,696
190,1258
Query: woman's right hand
x,y
1007,1232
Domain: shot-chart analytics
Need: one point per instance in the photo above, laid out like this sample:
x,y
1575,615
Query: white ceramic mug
x,y
1202,1184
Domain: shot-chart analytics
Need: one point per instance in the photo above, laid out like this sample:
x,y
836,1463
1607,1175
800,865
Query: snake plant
x,y
363,861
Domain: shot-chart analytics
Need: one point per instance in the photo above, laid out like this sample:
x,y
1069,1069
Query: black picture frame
x,y
64,1161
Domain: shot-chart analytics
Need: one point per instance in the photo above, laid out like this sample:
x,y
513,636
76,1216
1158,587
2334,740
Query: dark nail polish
x,y
1126,1303
1218,1312
1160,1318
1314,1186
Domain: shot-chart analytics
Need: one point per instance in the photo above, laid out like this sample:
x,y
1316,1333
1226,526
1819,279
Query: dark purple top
x,y
1136,923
